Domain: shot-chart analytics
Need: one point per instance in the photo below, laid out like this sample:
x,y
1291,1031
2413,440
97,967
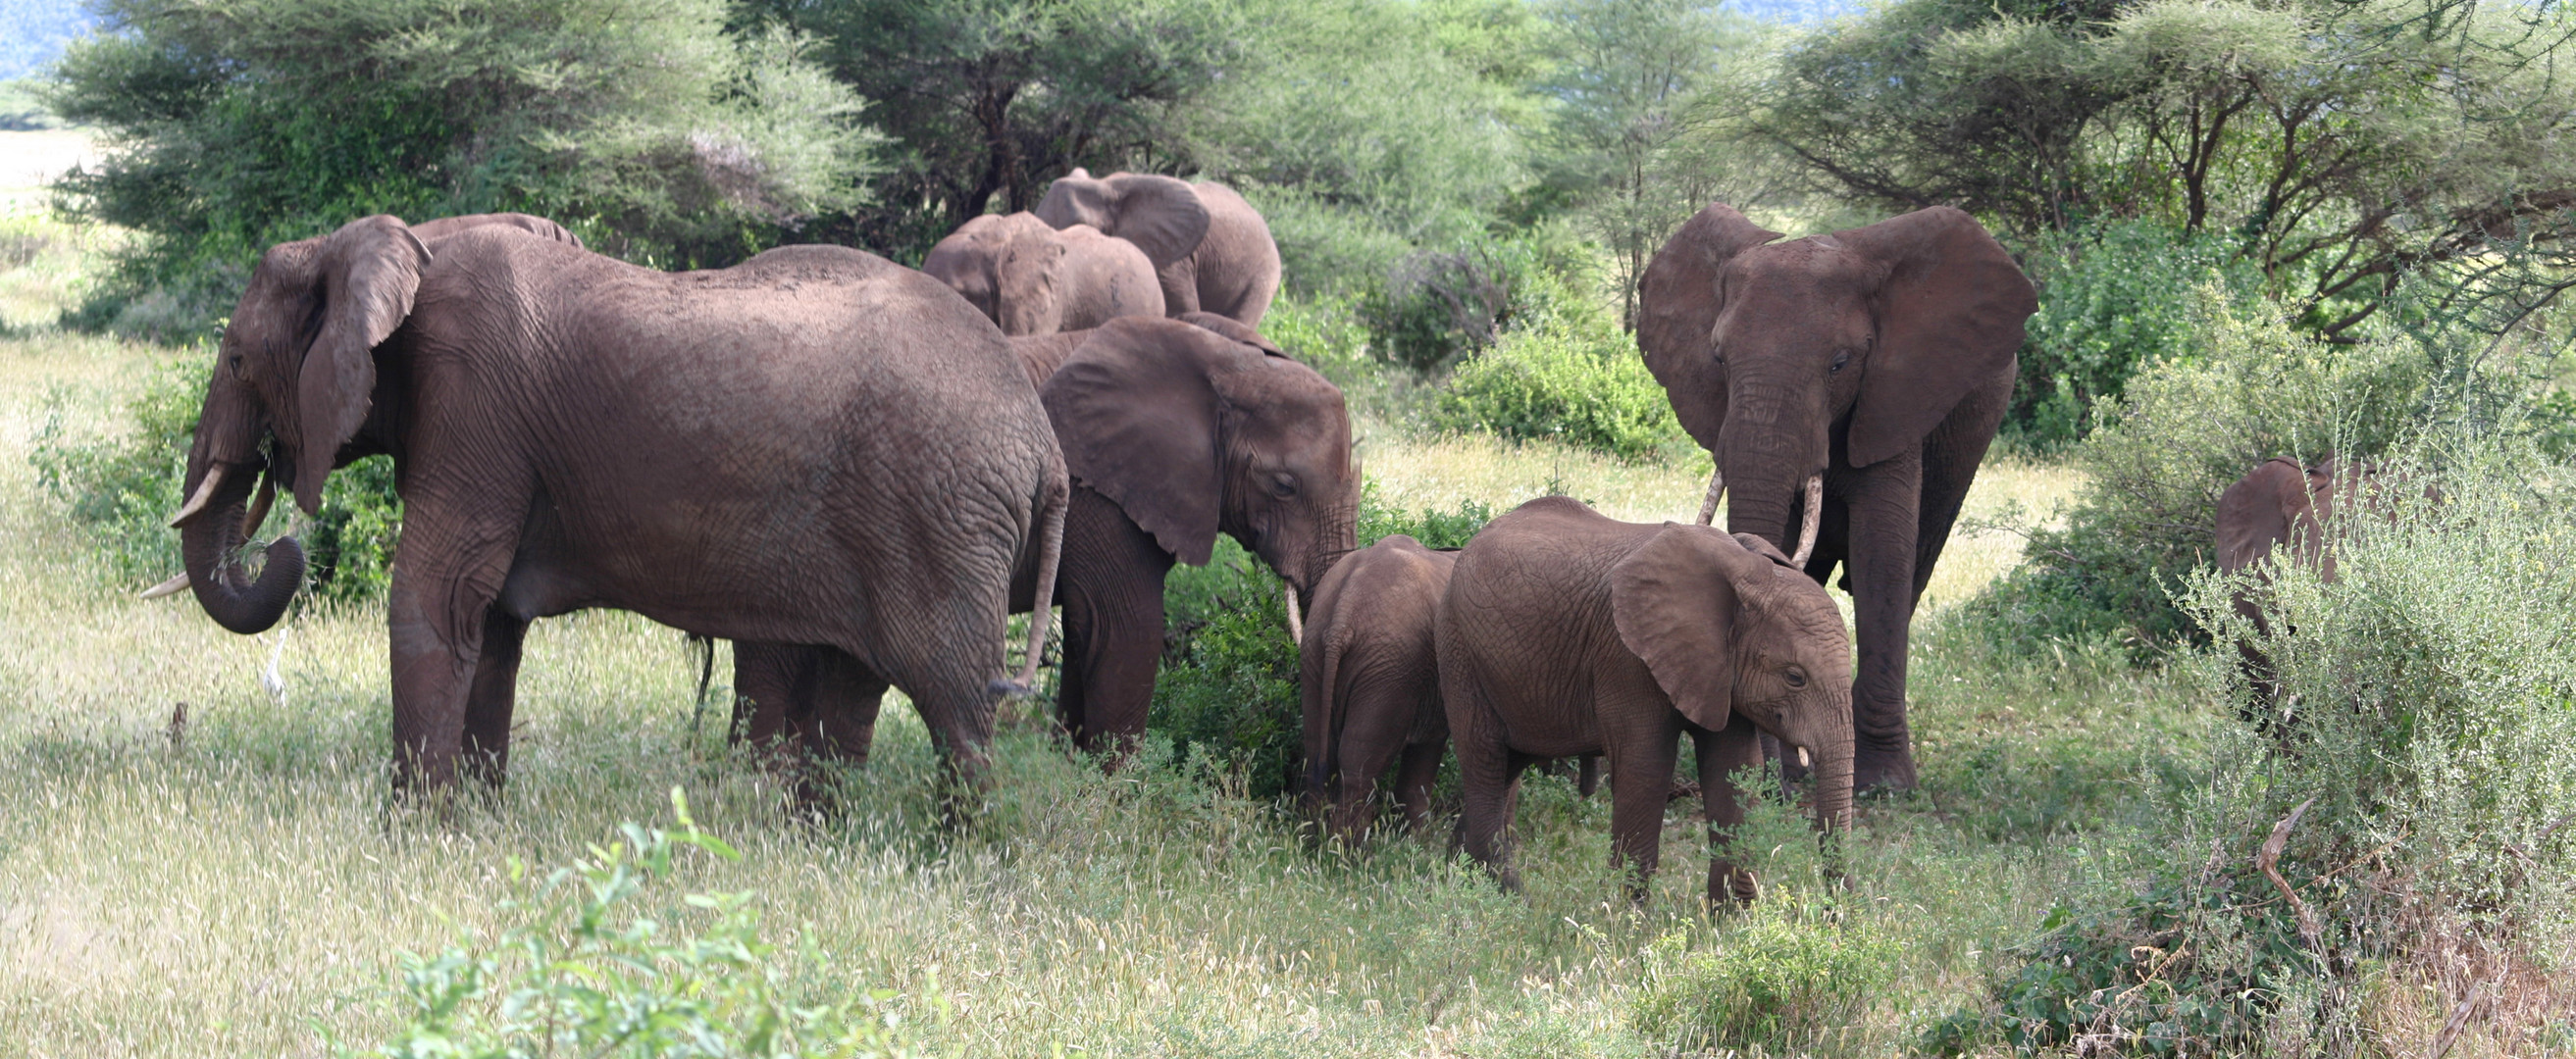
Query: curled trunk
x,y
208,543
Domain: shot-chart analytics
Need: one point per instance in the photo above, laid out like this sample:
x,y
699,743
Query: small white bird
x,y
275,684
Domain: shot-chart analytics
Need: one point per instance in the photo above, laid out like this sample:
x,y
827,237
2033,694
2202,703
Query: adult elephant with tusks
x,y
816,446
1848,386
1173,433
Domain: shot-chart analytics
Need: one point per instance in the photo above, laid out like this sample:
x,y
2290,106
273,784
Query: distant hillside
x,y
33,33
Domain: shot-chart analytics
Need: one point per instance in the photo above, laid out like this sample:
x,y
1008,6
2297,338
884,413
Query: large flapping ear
x,y
1075,198
1676,604
1677,310
2256,514
369,270
1754,543
1137,415
1232,329
1949,319
1161,215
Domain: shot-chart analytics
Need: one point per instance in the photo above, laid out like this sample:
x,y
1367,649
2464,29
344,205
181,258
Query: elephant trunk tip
x,y
1010,689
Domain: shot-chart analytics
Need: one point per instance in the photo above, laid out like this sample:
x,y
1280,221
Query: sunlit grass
x,y
241,887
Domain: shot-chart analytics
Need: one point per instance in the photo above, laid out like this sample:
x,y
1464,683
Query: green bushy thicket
x,y
2243,387
603,958
2108,306
1780,981
1227,694
237,124
2403,795
122,486
1564,371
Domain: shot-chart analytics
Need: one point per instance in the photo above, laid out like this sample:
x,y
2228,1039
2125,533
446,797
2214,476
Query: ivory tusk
x,y
259,507
1708,507
170,587
1296,622
1807,523
1802,758
197,501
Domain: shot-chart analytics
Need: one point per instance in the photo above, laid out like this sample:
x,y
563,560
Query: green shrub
x,y
1324,332
2245,387
123,484
604,961
1435,529
2108,307
1564,375
1781,980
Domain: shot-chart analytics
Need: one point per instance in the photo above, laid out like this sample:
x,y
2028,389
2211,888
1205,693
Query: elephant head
x,y
1192,433
1006,265
1727,626
1161,215
293,381
1765,347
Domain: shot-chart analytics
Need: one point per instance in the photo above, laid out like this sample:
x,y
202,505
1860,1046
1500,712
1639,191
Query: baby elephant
x,y
1370,685
1565,632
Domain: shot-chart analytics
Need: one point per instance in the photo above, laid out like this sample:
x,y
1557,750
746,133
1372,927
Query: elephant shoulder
x,y
2256,513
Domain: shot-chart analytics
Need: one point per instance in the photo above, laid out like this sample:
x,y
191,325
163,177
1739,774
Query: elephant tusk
x,y
1803,759
1807,523
1708,507
198,500
1296,622
259,507
166,588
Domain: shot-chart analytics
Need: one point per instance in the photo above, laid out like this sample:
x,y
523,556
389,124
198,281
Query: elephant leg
x,y
442,591
842,723
1413,780
1884,521
493,696
1112,590
1643,752
1587,778
1721,754
1951,455
1489,774
1180,283
1379,717
771,684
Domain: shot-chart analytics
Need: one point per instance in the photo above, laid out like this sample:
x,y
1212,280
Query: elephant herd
x,y
857,472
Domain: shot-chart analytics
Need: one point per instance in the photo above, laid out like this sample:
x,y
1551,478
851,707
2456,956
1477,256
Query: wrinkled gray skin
x,y
1564,632
2282,513
1880,359
816,446
1369,684
1173,433
1230,266
1034,280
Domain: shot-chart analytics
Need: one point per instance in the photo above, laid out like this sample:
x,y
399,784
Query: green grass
x,y
243,889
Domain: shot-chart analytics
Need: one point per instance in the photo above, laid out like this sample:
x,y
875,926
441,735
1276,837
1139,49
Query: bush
x,y
586,972
1564,374
2244,388
2412,779
1780,980
1435,529
2107,309
124,484
242,123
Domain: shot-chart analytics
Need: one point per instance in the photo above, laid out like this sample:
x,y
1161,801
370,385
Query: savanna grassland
x,y
235,884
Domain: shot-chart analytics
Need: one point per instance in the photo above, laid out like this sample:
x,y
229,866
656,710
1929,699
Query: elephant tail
x,y
1333,707
1051,514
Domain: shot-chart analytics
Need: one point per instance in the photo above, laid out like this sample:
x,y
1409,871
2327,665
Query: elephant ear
x,y
1675,600
1233,329
1677,314
369,271
2255,514
1136,412
1949,318
1161,215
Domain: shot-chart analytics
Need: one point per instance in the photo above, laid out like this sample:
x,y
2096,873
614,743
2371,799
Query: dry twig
x,y
2267,861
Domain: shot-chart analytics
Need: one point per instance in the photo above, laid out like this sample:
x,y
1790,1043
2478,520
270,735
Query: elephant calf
x,y
2279,506
1565,632
1369,684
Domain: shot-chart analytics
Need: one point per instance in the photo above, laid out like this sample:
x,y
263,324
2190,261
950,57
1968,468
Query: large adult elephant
x,y
1565,632
1173,433
815,446
1226,262
1848,386
1035,280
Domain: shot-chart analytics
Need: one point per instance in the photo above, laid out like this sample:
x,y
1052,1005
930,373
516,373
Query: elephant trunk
x,y
1833,754
211,530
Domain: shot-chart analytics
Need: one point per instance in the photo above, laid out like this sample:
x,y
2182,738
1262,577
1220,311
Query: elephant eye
x,y
1797,677
1283,486
1840,359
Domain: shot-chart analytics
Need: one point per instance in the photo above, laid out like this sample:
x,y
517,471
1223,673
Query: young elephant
x,y
1565,632
1369,684
1035,280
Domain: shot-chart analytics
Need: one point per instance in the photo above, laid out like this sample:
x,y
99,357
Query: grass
x,y
241,889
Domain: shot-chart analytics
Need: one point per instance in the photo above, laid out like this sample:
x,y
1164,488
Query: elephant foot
x,y
1880,768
